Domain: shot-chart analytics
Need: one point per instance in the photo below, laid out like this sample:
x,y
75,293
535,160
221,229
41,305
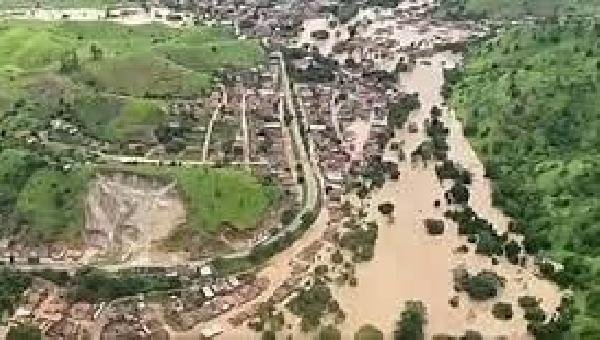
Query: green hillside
x,y
102,72
499,9
530,104
10,4
112,82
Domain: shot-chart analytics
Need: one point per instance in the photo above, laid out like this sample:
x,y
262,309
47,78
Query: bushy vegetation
x,y
12,285
400,111
9,4
412,322
433,226
529,102
51,204
368,332
38,201
502,311
312,304
329,332
360,241
516,9
24,332
95,285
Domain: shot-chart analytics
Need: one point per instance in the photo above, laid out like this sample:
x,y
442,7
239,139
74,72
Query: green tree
x,y
483,286
268,335
502,311
96,52
12,285
368,332
329,332
411,323
24,332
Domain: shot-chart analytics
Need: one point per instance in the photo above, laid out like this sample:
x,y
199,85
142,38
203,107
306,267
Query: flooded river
x,y
411,265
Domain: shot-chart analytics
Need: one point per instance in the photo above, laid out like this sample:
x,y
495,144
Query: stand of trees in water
x,y
530,104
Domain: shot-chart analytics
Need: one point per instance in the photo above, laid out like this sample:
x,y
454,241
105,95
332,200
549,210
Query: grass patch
x,y
107,77
217,197
52,204
137,120
10,4
510,9
141,76
145,60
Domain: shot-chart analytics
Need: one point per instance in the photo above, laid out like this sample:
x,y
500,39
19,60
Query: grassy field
x,y
10,4
52,204
106,70
112,81
148,60
517,8
47,203
530,104
216,197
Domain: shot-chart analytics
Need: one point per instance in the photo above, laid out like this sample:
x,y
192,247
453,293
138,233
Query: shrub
x,y
268,335
535,314
528,302
411,323
329,332
24,332
443,337
483,286
471,335
337,257
502,311
434,227
386,208
368,332
592,303
310,305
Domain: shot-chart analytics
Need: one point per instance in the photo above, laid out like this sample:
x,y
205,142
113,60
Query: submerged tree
x,y
368,332
411,323
387,209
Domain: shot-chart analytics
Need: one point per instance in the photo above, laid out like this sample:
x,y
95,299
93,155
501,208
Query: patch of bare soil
x,y
127,214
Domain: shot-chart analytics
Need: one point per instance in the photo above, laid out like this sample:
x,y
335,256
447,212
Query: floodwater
x,y
388,36
411,265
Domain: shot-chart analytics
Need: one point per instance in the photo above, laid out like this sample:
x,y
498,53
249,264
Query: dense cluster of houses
x,y
14,253
46,306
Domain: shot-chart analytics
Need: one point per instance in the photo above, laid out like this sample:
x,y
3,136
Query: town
x,y
327,121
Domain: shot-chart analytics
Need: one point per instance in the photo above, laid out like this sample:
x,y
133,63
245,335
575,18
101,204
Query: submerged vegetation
x,y
529,102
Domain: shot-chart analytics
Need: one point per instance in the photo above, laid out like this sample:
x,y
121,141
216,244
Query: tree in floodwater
x,y
387,209
411,323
